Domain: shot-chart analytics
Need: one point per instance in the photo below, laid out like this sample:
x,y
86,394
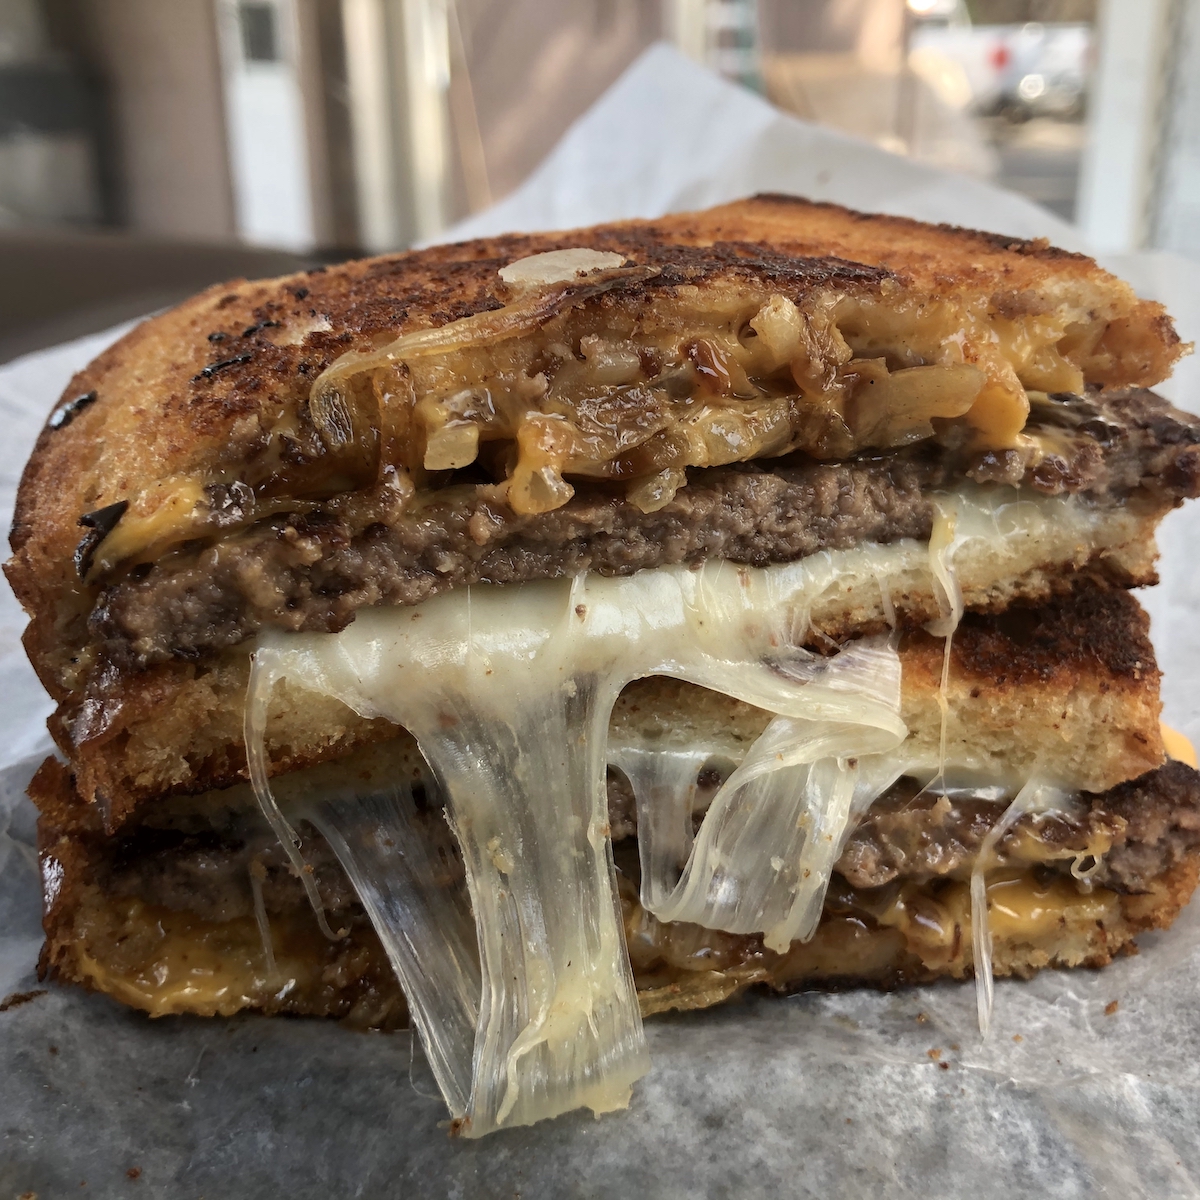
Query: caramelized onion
x,y
558,266
550,389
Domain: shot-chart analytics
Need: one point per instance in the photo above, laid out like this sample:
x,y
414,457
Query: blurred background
x,y
150,147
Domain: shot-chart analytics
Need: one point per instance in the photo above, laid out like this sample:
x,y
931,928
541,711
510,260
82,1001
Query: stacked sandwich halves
x,y
534,633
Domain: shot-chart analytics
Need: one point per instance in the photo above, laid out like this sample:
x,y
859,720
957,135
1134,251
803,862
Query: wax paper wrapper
x,y
1088,1086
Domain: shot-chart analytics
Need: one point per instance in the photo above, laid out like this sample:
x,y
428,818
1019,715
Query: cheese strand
x,y
509,691
1036,796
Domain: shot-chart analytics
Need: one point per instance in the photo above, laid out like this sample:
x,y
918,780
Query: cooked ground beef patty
x,y
314,573
1153,823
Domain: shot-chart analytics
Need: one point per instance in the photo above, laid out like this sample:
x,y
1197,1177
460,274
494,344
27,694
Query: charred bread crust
x,y
1092,631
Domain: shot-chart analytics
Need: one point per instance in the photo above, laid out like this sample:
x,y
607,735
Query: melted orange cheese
x,y
164,961
1178,747
174,962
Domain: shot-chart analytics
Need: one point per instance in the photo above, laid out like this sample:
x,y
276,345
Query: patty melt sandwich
x,y
525,636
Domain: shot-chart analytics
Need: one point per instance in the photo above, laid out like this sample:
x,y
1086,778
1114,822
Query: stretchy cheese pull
x,y
509,691
1035,797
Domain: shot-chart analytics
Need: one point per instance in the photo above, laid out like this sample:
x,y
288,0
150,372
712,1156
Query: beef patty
x,y
312,573
1150,824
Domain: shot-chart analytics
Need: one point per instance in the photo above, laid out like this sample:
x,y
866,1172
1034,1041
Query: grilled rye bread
x,y
774,555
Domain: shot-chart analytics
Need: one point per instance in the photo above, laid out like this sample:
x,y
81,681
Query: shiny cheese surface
x,y
508,692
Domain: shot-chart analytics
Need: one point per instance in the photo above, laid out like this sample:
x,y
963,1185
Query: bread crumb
x,y
935,1053
1017,1037
1111,1007
134,1172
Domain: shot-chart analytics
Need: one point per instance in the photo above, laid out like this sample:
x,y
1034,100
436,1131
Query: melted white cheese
x,y
664,783
766,848
942,546
260,915
509,690
403,870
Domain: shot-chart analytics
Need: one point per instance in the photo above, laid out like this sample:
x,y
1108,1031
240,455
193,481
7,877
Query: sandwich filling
x,y
196,909
559,384
315,569
509,693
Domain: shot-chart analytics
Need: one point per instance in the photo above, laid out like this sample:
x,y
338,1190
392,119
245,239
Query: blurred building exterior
x,y
1175,208
367,124
332,127
1141,172
49,133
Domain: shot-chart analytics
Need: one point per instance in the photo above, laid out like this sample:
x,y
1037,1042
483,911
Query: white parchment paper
x,y
859,1094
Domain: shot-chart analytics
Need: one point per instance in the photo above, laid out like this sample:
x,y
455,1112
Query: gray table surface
x,y
813,1095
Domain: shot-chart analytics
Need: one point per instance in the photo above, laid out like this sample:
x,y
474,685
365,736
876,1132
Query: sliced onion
x,y
765,850
495,325
558,266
